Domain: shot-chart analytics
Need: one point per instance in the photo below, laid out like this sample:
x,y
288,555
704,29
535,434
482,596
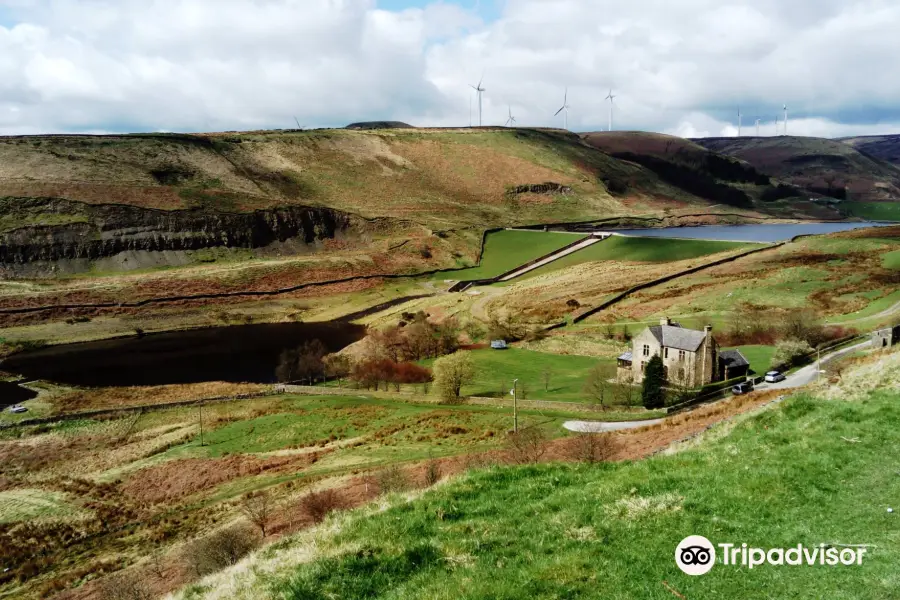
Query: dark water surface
x,y
10,393
776,232
242,353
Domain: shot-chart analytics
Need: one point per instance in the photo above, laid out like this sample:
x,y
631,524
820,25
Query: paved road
x,y
600,426
798,378
808,374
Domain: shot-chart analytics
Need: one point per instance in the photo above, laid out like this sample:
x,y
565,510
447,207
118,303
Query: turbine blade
x,y
559,111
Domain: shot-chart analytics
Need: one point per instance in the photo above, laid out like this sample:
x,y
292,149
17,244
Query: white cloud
x,y
681,67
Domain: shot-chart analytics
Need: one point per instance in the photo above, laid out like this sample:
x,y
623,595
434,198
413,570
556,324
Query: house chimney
x,y
665,321
708,329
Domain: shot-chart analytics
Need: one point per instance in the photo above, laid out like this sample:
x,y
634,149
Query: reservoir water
x,y
243,353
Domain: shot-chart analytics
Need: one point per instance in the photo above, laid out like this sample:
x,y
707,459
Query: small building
x,y
732,364
885,338
499,345
691,358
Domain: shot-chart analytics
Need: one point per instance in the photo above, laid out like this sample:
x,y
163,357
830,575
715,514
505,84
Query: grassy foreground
x,y
814,469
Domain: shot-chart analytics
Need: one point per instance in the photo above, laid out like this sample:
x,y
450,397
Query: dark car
x,y
742,388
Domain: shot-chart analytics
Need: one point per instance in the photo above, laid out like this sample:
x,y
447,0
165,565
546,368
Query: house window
x,y
681,355
646,350
666,352
666,373
680,374
643,367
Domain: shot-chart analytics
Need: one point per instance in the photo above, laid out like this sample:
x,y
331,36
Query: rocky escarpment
x,y
70,236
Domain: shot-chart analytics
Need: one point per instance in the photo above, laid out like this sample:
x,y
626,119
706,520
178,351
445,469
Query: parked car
x,y
742,388
774,376
17,409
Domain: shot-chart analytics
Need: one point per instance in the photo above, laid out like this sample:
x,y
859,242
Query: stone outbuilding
x,y
885,338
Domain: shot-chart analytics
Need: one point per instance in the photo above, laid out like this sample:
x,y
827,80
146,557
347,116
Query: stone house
x,y
691,358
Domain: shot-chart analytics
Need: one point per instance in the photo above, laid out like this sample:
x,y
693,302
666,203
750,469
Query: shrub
x,y
432,472
592,447
221,549
392,479
527,445
317,505
789,353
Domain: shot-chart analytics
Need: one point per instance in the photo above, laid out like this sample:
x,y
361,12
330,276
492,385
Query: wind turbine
x,y
565,107
740,116
776,124
298,123
511,120
757,127
479,90
785,119
610,98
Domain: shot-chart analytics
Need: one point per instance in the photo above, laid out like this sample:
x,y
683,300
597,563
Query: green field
x,y
507,249
810,471
364,430
874,211
892,260
642,249
760,357
496,369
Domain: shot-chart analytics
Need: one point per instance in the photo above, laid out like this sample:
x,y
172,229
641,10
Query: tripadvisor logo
x,y
696,555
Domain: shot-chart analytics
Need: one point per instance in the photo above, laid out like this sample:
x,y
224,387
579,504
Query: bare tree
x,y
546,374
597,388
258,507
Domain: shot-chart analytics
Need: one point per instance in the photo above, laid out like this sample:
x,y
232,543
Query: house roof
x,y
625,356
733,358
678,337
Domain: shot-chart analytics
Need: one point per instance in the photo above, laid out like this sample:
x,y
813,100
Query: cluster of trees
x,y
374,373
304,363
414,338
600,389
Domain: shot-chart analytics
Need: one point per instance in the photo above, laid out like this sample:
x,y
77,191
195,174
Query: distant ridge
x,y
380,125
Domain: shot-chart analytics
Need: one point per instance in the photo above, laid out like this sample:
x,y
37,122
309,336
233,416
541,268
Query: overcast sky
x,y
676,66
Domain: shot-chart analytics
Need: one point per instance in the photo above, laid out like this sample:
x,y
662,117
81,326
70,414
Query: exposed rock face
x,y
93,232
541,188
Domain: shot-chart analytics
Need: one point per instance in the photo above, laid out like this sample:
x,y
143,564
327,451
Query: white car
x,y
17,408
774,376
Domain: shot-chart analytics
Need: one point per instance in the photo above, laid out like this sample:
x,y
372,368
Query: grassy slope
x,y
505,250
777,479
444,178
620,248
836,274
808,161
874,211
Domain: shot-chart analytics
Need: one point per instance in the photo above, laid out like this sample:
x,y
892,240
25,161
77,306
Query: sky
x,y
685,68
